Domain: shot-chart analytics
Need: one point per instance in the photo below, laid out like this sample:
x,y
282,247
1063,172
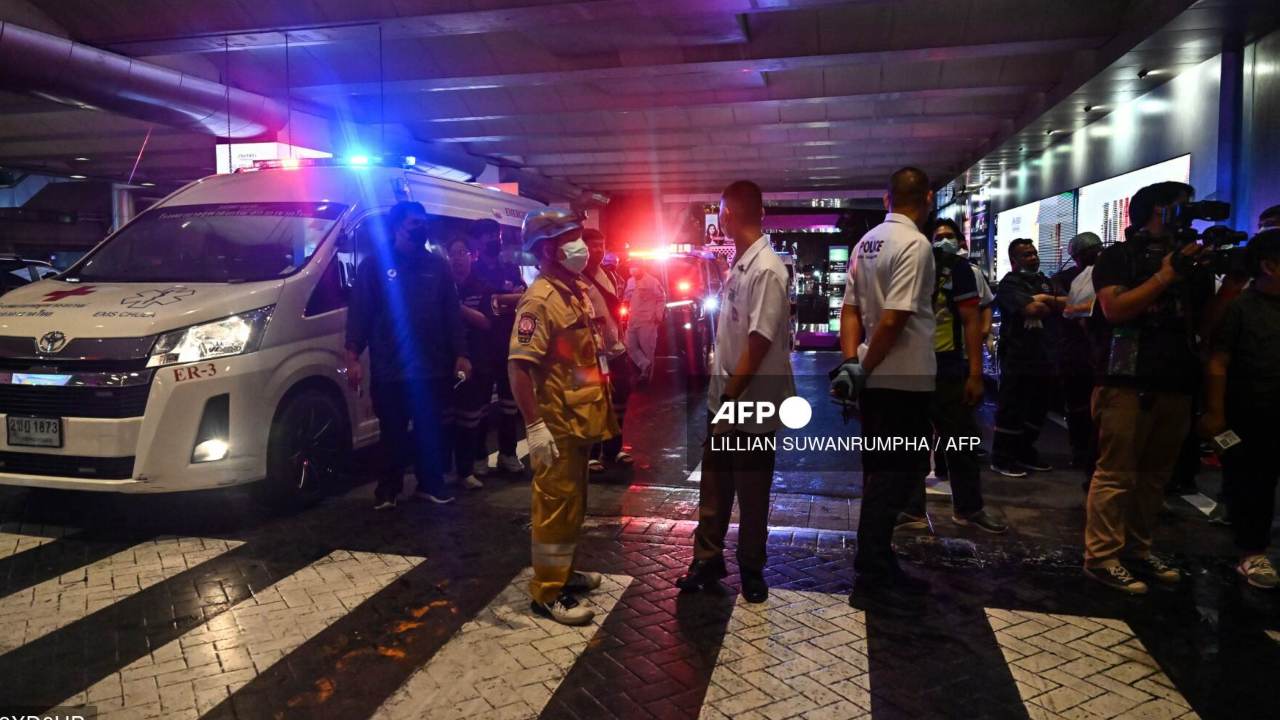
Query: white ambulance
x,y
201,345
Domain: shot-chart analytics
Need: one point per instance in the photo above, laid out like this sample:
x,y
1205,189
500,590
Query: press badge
x,y
603,359
1227,440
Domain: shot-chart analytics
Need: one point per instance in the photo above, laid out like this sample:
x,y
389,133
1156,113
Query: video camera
x,y
1226,254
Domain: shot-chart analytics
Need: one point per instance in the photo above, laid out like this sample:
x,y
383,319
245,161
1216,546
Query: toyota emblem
x,y
51,342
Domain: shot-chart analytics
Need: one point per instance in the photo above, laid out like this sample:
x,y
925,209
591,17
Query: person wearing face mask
x,y
946,229
558,366
957,346
471,397
404,309
1026,301
507,285
647,301
1074,363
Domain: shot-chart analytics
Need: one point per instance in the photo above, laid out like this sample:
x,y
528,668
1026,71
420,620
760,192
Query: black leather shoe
x,y
703,575
754,589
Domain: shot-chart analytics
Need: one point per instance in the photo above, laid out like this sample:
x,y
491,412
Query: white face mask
x,y
963,252
574,256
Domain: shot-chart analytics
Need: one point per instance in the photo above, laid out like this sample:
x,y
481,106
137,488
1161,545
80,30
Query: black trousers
x,y
412,430
726,473
1021,406
1249,474
952,420
470,403
1077,395
505,414
889,477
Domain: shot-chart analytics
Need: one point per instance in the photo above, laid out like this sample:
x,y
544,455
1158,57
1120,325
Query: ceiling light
x,y
1088,108
147,183
1101,131
81,159
1143,73
78,177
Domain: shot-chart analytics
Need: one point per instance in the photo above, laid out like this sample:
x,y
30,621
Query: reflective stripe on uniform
x,y
555,555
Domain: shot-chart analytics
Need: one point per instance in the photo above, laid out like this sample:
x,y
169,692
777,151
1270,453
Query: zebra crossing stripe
x,y
1068,666
197,671
36,611
504,663
795,654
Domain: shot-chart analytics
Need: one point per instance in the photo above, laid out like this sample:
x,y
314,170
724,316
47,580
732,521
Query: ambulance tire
x,y
308,449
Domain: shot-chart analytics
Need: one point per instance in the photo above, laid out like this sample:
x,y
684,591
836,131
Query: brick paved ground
x,y
205,606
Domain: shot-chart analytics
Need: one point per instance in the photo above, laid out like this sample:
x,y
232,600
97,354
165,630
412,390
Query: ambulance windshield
x,y
242,242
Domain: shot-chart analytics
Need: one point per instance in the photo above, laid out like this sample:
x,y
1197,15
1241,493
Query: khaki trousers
x,y
1139,436
559,506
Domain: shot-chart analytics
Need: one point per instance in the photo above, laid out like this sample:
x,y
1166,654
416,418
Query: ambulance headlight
x,y
221,338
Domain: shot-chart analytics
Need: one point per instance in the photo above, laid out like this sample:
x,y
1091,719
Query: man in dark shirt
x,y
404,309
1242,382
504,278
1150,295
1072,356
488,358
1026,300
1242,393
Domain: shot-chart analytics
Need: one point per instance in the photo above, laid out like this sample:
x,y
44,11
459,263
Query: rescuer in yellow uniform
x,y
559,376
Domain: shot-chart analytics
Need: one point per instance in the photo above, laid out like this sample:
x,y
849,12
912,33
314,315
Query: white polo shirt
x,y
755,300
893,270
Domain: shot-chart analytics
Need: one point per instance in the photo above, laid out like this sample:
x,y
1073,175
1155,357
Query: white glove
x,y
542,447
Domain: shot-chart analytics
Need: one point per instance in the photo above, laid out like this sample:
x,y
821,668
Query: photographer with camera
x,y
1151,291
1242,390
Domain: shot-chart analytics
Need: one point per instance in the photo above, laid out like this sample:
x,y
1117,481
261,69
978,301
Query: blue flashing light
x,y
359,160
410,160
710,304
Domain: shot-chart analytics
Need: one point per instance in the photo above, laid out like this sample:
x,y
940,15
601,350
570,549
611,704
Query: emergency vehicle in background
x,y
693,280
201,345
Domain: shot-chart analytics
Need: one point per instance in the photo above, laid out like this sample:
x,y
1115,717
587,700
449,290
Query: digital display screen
x,y
1104,206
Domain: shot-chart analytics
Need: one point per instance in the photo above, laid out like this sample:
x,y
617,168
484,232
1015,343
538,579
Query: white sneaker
x,y
472,482
1258,572
510,464
385,505
565,610
480,467
624,458
583,582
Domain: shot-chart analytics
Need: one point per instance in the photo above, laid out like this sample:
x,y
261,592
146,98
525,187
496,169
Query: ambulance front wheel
x,y
309,447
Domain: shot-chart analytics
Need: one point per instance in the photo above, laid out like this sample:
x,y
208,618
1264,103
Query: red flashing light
x,y
684,286
624,311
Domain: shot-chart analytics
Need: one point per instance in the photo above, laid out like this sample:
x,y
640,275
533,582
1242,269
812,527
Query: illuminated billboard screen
x,y
1104,206
1050,223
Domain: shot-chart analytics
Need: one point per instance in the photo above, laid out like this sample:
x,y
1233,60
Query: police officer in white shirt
x,y
753,364
886,335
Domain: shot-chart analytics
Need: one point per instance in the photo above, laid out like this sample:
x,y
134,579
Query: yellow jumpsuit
x,y
555,332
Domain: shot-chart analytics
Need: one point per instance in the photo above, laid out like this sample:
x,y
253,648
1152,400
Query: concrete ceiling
x,y
619,95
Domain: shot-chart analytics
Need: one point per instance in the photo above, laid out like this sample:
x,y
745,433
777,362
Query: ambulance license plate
x,y
34,431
